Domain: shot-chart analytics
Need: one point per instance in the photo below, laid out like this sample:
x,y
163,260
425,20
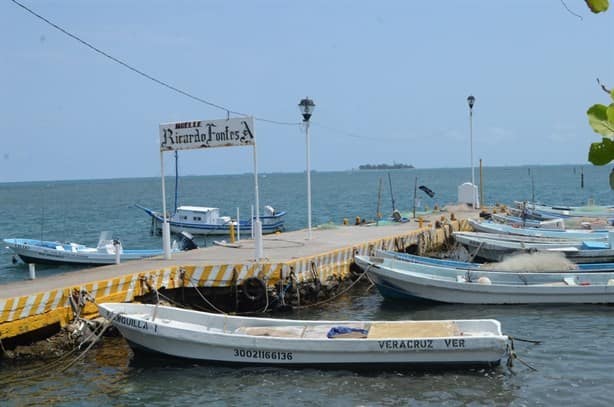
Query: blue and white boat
x,y
415,281
527,220
107,251
202,220
577,234
494,247
562,211
496,267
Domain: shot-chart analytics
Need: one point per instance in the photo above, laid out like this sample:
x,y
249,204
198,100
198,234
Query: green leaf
x,y
601,153
599,119
597,6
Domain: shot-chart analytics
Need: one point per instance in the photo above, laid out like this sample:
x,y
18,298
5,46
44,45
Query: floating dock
x,y
31,306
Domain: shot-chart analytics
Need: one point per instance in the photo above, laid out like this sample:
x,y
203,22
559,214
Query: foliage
x,y
601,119
597,6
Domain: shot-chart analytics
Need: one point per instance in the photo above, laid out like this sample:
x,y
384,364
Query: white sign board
x,y
207,133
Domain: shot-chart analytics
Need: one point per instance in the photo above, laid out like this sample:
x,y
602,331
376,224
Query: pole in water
x,y
391,193
582,178
415,192
378,213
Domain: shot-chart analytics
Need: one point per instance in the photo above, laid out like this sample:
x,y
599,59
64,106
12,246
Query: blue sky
x,y
389,79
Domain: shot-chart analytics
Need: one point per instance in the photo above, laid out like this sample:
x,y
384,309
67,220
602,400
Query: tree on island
x,y
393,166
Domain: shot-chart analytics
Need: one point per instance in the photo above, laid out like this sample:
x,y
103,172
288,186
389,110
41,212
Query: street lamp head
x,y
306,106
471,101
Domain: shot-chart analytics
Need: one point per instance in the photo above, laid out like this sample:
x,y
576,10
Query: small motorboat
x,y
495,247
202,220
239,340
107,251
416,281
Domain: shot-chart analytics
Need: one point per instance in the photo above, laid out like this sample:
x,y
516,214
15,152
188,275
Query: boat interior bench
x,y
377,330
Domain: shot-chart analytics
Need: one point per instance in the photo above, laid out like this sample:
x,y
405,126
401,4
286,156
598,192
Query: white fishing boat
x,y
523,220
202,220
107,251
494,247
524,262
563,211
415,281
237,340
485,226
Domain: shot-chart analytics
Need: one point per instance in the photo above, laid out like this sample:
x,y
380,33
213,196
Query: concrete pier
x,y
29,305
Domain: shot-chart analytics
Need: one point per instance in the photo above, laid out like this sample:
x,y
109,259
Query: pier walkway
x,y
29,305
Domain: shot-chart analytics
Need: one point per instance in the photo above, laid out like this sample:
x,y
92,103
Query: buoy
x,y
484,281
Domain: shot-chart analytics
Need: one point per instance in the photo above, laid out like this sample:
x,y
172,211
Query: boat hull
x,y
270,224
404,280
311,347
32,251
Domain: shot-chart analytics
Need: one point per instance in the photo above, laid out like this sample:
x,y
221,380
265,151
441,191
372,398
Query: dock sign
x,y
207,134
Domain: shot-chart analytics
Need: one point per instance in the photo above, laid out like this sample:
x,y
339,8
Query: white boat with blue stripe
x,y
107,251
202,220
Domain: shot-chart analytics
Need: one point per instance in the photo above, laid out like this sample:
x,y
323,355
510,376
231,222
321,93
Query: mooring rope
x,y
333,297
514,356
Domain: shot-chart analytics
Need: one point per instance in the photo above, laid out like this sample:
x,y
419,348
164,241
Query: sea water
x,y
572,364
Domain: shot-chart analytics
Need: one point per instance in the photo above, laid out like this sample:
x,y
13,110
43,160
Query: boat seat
x,y
275,331
413,329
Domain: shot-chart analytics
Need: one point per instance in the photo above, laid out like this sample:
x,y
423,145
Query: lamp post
x,y
307,107
471,102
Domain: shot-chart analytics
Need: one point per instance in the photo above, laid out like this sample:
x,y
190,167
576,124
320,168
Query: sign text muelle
x,y
207,134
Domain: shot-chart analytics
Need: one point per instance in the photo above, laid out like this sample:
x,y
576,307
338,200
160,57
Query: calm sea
x,y
573,364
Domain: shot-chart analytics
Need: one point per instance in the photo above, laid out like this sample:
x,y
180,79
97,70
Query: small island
x,y
393,166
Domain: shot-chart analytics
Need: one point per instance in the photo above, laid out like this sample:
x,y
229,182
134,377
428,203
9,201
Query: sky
x,y
390,82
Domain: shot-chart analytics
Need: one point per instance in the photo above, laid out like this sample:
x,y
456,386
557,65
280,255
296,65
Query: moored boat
x,y
415,281
238,340
523,220
563,211
494,247
522,262
107,251
202,220
575,234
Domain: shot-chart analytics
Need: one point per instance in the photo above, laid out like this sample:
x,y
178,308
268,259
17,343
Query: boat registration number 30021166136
x,y
261,354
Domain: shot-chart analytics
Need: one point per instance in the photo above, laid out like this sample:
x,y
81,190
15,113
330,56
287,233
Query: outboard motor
x,y
269,210
396,215
187,242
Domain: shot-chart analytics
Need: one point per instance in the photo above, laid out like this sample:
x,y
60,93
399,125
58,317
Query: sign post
x,y
232,132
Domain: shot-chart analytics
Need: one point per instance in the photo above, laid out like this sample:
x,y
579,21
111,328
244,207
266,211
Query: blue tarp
x,y
342,330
